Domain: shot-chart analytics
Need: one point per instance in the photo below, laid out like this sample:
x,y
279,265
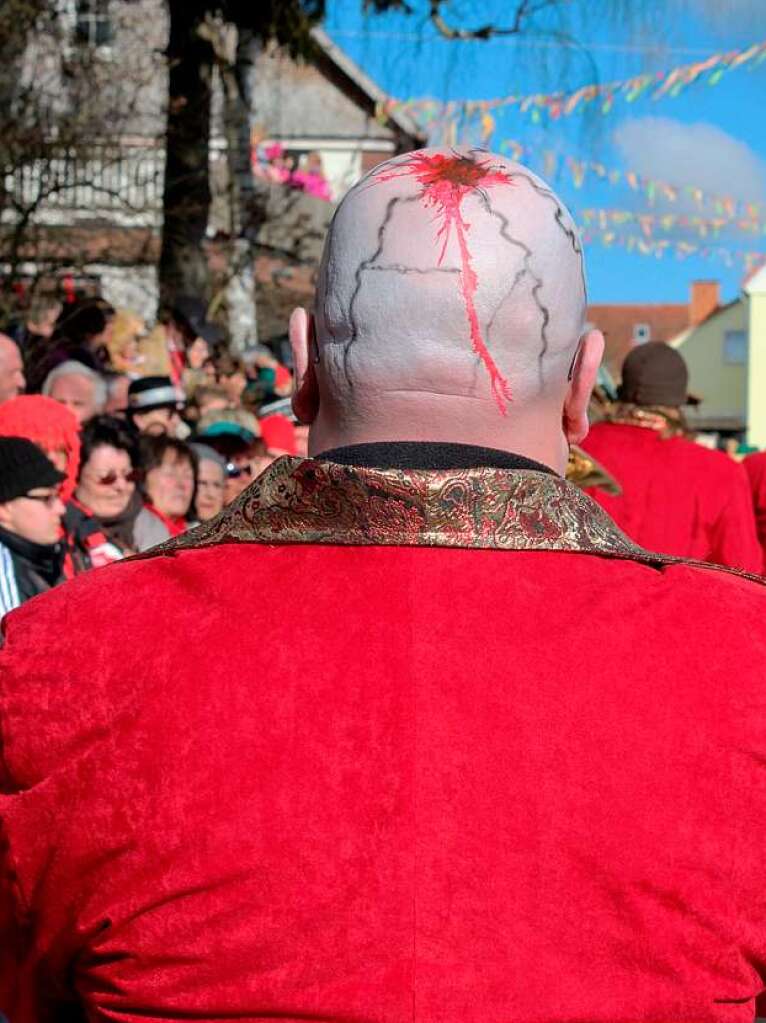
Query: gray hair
x,y
73,368
207,454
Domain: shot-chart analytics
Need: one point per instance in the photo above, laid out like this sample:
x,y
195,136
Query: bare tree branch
x,y
525,10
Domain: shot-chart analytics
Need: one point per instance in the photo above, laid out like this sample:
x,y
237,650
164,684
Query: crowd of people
x,y
114,438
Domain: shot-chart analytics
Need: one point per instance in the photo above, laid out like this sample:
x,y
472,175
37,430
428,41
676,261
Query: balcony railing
x,y
120,183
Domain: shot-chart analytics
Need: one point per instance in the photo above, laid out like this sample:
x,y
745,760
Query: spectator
x,y
210,398
82,333
106,489
38,324
170,474
755,467
78,388
154,406
211,482
50,425
12,380
117,385
54,428
677,497
181,342
278,435
232,378
124,344
31,551
235,434
245,459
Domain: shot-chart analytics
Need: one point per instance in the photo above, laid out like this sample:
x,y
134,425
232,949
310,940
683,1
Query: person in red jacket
x,y
755,466
344,752
677,497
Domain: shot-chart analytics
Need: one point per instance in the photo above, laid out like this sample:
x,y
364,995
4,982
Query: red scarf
x,y
174,526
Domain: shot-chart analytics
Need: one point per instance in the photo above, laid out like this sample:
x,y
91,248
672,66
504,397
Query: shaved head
x,y
450,306
12,380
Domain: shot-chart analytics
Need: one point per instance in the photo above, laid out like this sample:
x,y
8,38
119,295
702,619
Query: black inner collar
x,y
409,454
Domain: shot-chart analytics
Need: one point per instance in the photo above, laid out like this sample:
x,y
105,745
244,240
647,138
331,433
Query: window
x,y
735,348
93,26
642,333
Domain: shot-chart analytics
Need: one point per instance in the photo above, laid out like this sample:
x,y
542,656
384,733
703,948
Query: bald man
x,y
12,381
411,731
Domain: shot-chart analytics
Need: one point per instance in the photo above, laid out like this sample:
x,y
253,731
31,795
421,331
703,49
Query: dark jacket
x,y
27,568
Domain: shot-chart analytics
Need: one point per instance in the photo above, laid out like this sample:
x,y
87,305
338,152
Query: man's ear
x,y
302,338
584,374
6,516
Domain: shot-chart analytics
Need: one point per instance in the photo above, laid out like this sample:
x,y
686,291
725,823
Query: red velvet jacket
x,y
755,466
677,496
500,766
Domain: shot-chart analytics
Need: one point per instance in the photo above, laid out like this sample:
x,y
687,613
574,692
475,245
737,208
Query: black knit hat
x,y
655,374
23,467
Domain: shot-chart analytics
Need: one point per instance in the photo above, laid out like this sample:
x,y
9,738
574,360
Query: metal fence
x,y
118,182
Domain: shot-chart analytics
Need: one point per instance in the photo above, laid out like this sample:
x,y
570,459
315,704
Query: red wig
x,y
50,425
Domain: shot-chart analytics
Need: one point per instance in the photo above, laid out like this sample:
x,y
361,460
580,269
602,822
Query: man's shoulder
x,y
755,466
709,459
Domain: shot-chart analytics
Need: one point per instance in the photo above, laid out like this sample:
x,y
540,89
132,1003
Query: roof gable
x,y
617,322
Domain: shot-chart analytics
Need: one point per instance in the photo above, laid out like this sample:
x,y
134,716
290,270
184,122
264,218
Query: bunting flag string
x,y
654,85
723,206
666,246
649,222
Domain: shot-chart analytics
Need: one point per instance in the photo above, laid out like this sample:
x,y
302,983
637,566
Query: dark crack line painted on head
x,y
401,268
325,309
538,281
570,232
445,183
491,322
366,265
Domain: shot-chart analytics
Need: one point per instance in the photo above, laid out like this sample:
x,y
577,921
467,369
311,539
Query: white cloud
x,y
692,154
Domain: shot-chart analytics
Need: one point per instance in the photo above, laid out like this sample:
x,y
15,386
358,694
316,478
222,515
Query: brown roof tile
x,y
618,321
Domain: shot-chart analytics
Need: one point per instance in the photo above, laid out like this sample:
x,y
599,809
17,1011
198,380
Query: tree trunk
x,y
186,198
240,298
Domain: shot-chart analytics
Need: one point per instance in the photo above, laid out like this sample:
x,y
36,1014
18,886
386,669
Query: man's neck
x,y
427,455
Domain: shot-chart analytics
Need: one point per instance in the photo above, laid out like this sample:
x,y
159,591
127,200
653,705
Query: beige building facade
x,y
716,354
755,289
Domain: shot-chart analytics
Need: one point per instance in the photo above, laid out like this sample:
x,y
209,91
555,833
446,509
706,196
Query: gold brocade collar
x,y
307,501
667,422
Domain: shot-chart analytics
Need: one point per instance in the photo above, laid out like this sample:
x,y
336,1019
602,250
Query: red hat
x,y
50,425
279,434
283,378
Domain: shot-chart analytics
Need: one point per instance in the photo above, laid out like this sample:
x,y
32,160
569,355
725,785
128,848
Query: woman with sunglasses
x,y
107,501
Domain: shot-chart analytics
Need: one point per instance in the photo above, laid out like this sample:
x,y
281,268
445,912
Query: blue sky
x,y
708,137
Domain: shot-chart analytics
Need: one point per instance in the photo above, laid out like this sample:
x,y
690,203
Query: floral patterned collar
x,y
309,501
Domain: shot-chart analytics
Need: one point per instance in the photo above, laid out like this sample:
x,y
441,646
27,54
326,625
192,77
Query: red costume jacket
x,y
756,473
501,766
678,497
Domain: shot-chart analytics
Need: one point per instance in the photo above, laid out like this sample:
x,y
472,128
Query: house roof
x,y
365,85
617,322
755,283
689,329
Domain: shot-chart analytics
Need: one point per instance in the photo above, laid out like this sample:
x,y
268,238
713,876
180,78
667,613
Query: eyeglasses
x,y
235,471
110,478
49,500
